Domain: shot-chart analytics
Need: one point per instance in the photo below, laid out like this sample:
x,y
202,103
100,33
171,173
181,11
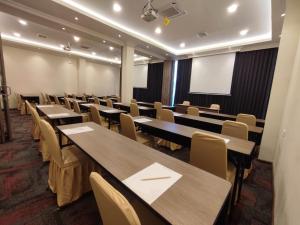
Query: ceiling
x,y
97,21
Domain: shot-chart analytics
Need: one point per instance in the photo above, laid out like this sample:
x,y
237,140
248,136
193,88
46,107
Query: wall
x,y
30,71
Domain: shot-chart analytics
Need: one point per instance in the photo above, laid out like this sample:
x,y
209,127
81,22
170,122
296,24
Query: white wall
x,y
32,72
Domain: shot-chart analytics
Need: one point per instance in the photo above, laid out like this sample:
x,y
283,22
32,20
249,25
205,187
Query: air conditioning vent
x,y
171,11
42,36
84,47
202,34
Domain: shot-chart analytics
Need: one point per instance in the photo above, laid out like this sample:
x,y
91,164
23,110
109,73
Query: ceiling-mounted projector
x,y
67,47
149,12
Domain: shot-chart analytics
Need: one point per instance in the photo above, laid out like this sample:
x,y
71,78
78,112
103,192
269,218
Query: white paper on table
x,y
77,130
226,140
88,104
58,115
150,190
177,114
142,120
45,106
110,110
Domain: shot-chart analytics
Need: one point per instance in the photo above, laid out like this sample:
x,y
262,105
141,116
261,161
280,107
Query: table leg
x,y
235,187
109,121
240,184
60,139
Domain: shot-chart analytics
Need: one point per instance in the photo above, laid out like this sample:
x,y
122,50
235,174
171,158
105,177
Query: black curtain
x,y
154,84
250,88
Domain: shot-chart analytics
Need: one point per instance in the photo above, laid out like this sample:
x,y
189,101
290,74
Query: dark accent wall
x,y
154,84
250,88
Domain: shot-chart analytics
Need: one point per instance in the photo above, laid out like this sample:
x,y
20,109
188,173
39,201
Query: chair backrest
x,y
235,129
133,100
109,103
96,101
76,107
29,107
44,100
194,111
114,208
158,107
36,117
74,96
51,141
66,94
167,115
215,107
209,153
248,119
67,104
127,126
134,109
57,102
84,98
95,115
48,99
186,103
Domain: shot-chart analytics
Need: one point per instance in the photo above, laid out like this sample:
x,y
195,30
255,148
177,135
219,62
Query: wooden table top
x,y
139,106
57,109
105,109
254,129
76,100
152,105
235,144
195,199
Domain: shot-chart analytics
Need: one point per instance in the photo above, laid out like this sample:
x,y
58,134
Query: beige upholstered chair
x,y
69,168
109,103
158,107
84,98
134,109
113,206
44,100
215,107
85,116
133,100
248,119
49,99
194,111
74,96
57,102
96,101
235,129
186,103
67,104
66,94
35,131
209,153
21,105
95,115
167,115
128,129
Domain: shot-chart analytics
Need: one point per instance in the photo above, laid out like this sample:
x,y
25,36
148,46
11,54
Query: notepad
x,y
77,130
58,115
45,106
110,110
88,104
177,114
151,182
142,120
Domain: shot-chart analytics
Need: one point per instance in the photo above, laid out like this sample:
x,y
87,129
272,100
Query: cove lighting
x,y
267,36
17,34
56,48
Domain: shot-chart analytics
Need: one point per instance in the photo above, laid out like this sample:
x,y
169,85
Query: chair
x,y
134,109
235,129
109,103
49,99
21,105
209,153
128,129
69,168
113,206
158,107
215,107
96,101
84,98
167,115
44,100
133,100
186,103
57,102
67,104
66,94
248,119
194,111
74,96
85,116
35,131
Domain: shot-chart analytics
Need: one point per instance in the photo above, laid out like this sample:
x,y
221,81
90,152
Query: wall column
x,y
166,91
127,73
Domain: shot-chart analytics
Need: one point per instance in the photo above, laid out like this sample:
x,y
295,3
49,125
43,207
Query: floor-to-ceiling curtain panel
x,y
184,70
251,84
154,84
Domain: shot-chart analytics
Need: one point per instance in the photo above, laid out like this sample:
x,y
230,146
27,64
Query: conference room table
x,y
111,113
31,98
241,150
182,108
196,198
144,110
214,125
148,104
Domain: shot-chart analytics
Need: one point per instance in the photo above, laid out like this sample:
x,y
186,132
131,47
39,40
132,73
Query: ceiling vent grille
x,y
171,11
84,47
42,36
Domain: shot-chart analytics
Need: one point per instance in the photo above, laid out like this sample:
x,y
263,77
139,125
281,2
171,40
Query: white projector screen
x,y
212,74
140,74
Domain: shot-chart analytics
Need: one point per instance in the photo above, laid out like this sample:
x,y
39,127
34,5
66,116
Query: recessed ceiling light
x,y
232,8
283,15
23,22
116,58
117,7
76,18
150,56
182,45
103,41
63,28
94,53
158,30
17,34
167,54
135,55
76,38
111,48
147,46
61,45
119,35
244,32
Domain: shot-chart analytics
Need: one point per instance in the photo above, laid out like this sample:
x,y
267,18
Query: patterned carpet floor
x,y
25,198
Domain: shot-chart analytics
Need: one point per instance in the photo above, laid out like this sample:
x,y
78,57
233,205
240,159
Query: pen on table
x,y
155,178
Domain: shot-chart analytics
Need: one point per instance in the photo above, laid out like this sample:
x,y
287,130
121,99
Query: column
x,y
127,74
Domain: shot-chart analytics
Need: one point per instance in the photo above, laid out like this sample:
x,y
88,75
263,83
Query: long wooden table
x,y
215,125
111,113
197,198
144,110
181,108
239,149
148,104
